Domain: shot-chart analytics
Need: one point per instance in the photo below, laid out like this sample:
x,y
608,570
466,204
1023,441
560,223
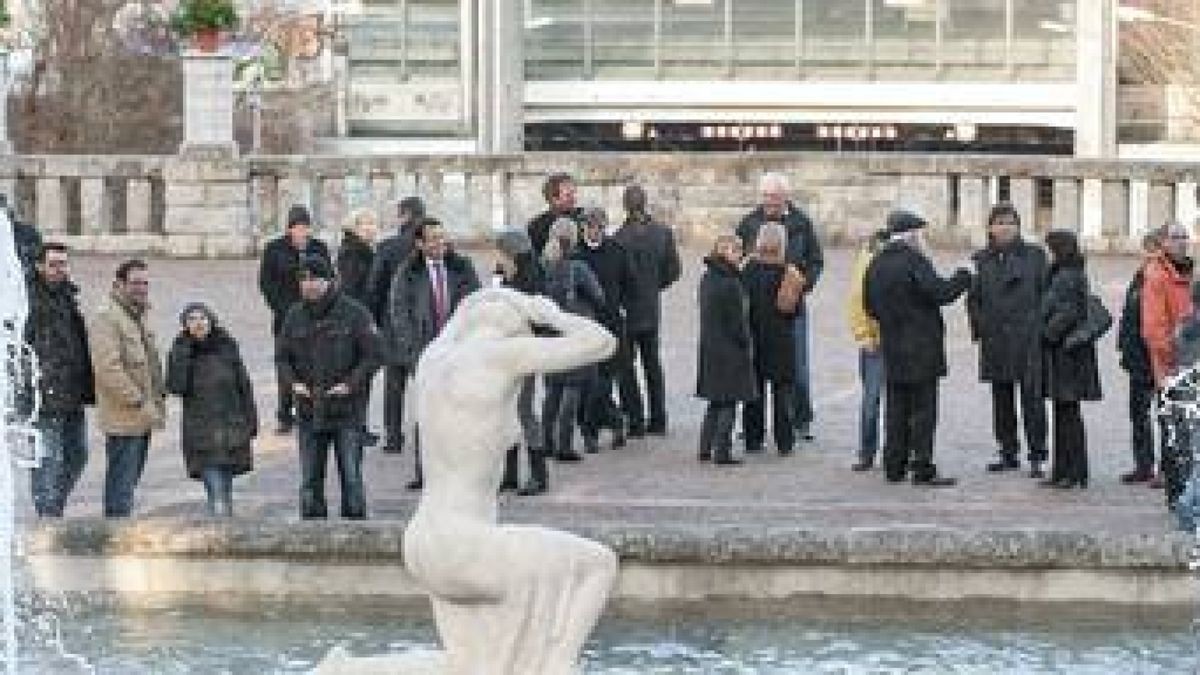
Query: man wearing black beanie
x,y
279,282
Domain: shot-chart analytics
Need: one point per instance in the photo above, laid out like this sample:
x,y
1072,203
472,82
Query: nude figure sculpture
x,y
507,599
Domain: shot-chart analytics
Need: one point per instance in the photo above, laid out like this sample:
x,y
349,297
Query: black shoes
x,y
754,449
704,456
1035,470
591,445
1063,483
618,440
785,452
569,456
805,434
1005,464
864,466
933,481
1137,476
532,488
727,461
415,484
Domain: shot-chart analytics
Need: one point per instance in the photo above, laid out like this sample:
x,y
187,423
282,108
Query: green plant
x,y
5,17
194,16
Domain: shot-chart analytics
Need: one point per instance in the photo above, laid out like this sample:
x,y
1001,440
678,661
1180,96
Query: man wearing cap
x,y
389,255
904,293
425,292
327,351
279,282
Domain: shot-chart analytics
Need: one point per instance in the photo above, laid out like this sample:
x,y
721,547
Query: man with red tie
x,y
425,292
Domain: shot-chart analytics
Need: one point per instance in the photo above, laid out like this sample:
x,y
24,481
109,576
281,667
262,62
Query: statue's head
x,y
491,313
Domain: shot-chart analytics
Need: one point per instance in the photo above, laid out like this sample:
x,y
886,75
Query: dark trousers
x,y
599,410
395,378
782,409
644,345
716,432
64,440
1141,403
871,376
314,456
285,411
911,414
559,410
804,407
1004,420
218,488
1070,443
532,434
126,461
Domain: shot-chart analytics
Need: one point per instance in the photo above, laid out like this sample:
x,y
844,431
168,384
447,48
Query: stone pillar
x,y
972,210
1066,204
500,81
1139,209
1186,208
1116,210
51,209
208,106
1096,79
137,206
1091,222
94,211
1022,192
208,209
1162,204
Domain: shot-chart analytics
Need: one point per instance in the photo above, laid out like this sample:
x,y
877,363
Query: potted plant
x,y
5,17
203,21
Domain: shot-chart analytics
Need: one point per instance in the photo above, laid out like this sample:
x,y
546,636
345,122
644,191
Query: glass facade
x,y
851,40
1158,71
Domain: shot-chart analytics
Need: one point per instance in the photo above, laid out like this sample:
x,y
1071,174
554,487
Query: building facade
x,y
1043,76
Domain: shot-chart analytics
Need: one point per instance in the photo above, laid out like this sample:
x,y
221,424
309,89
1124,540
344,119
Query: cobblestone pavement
x,y
659,480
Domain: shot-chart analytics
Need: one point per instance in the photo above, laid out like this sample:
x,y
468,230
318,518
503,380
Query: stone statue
x,y
507,599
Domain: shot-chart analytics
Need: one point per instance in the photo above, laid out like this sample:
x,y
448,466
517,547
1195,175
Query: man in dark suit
x,y
279,282
905,295
559,192
426,290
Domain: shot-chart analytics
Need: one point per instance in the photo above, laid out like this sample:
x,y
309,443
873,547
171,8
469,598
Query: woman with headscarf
x,y
220,420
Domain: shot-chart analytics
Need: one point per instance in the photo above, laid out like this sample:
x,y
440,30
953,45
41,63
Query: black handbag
x,y
1094,325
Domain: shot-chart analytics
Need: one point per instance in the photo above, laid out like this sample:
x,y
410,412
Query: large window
x,y
764,39
904,39
975,45
554,39
622,38
1158,69
834,40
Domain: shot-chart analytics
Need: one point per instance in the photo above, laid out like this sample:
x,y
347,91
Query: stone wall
x,y
228,207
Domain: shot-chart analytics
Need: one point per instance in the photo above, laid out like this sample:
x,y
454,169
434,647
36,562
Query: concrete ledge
x,y
658,563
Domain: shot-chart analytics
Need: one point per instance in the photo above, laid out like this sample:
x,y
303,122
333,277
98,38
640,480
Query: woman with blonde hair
x,y
357,253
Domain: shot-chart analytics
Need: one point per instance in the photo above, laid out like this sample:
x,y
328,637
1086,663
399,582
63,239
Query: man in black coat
x,y
559,192
279,283
1135,360
654,263
326,353
425,292
356,256
804,251
1003,305
905,295
389,256
57,333
609,262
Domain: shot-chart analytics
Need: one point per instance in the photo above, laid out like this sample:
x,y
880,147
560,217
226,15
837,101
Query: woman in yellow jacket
x,y
870,360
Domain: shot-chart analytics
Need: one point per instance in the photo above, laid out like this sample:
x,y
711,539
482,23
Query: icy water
x,y
75,636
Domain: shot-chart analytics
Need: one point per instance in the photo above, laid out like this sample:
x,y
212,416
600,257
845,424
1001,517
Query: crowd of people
x,y
379,303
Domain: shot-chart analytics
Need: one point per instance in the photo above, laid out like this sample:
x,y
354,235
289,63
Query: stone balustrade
x,y
197,206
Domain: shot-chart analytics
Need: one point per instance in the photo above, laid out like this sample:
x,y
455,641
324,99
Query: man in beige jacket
x,y
129,385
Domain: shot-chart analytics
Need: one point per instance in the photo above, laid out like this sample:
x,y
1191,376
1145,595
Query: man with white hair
x,y
803,251
905,294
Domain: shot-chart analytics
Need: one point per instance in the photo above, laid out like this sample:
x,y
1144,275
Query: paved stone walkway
x,y
660,480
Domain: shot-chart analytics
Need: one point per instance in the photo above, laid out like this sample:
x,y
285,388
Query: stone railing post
x,y
208,106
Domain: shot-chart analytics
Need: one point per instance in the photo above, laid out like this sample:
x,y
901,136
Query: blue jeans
x,y
218,487
64,438
126,460
803,401
870,374
314,456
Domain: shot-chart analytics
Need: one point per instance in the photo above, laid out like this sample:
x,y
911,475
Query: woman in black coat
x,y
1070,374
725,369
357,254
773,335
220,419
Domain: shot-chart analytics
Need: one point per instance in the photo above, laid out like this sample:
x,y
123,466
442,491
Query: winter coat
x,y
725,358
1166,302
411,304
1002,305
390,254
127,370
773,331
905,295
219,415
325,343
354,267
1068,374
539,227
574,288
57,333
863,327
803,247
1135,355
610,264
654,263
279,275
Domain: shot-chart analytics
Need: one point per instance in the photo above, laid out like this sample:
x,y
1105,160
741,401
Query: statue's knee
x,y
602,564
